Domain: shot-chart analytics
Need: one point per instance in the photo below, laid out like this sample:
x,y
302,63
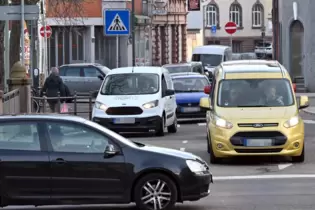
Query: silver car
x,y
83,77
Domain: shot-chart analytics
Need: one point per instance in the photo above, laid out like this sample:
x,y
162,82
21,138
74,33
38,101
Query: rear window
x,y
261,44
70,71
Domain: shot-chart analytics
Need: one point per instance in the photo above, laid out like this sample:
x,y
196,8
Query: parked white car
x,y
264,48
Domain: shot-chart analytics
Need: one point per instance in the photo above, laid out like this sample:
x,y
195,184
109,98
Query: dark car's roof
x,y
52,116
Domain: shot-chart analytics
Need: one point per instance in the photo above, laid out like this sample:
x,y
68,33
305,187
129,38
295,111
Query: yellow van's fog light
x,y
220,146
296,144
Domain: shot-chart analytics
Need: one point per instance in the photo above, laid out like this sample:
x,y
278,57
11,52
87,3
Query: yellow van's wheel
x,y
299,159
213,158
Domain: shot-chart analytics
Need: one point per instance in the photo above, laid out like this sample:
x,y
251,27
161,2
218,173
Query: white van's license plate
x,y
124,121
258,142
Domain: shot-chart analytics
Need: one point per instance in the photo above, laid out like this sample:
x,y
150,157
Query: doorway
x,y
296,48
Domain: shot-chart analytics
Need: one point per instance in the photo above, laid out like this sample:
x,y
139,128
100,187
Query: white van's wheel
x,y
160,130
173,128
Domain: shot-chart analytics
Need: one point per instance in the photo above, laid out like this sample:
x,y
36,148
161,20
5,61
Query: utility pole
x,y
133,33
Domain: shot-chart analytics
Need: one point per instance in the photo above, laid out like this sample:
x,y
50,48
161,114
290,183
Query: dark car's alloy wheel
x,y
155,192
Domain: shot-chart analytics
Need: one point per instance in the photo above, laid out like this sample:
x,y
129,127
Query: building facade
x,y
294,29
253,17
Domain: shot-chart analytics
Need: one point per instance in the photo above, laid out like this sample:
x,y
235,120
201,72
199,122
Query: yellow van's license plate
x,y
258,142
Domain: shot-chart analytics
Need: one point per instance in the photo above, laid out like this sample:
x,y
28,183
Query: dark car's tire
x,y
160,129
299,159
173,128
167,196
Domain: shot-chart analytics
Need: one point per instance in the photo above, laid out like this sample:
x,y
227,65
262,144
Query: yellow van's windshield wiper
x,y
259,105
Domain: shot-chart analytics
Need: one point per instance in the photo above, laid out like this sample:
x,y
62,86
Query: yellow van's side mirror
x,y
303,102
205,103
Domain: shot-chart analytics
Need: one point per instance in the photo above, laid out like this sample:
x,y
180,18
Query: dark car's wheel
x,y
299,159
173,128
160,129
155,192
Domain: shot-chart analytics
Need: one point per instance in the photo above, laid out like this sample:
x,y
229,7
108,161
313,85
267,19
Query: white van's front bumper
x,y
149,119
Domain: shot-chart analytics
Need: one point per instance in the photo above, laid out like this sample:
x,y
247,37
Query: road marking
x,y
309,121
182,149
178,125
282,176
185,142
284,166
202,124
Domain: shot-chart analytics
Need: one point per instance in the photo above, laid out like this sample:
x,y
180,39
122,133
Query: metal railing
x,y
79,104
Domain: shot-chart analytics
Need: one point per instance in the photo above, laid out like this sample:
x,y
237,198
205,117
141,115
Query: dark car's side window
x,y
19,136
91,72
73,72
72,137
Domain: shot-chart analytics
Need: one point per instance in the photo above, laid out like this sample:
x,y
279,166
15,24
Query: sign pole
x,y
22,31
117,51
133,34
231,42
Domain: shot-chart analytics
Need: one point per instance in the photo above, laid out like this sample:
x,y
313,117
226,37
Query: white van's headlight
x,y
220,122
151,104
195,166
99,105
292,122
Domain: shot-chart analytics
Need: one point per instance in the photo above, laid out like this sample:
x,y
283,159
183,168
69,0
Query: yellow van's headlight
x,y
292,122
220,122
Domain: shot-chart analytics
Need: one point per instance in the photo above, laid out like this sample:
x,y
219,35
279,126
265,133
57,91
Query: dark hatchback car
x,y
58,159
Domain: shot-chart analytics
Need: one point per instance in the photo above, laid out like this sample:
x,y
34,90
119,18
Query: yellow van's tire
x,y
213,158
299,159
208,144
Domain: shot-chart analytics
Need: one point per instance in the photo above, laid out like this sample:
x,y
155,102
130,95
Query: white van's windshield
x,y
131,84
208,59
255,93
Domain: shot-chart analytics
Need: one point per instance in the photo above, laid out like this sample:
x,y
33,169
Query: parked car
x,y
189,89
236,56
264,50
58,159
137,99
83,77
248,56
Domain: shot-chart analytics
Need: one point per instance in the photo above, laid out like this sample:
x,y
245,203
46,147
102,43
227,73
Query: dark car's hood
x,y
193,97
171,152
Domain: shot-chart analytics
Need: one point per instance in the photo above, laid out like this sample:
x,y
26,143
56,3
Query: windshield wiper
x,y
138,144
260,105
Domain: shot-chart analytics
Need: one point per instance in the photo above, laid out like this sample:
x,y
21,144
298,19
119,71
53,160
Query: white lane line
x,y
309,121
178,125
284,166
182,149
202,124
185,142
282,176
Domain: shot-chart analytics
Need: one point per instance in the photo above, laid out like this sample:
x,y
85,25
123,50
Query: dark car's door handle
x,y
60,161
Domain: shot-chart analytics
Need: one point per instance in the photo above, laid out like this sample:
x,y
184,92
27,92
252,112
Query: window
x,y
178,69
236,14
236,46
72,72
255,93
258,15
131,84
19,136
208,59
91,72
190,85
71,137
212,15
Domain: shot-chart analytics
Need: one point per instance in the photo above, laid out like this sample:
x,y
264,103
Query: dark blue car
x,y
189,89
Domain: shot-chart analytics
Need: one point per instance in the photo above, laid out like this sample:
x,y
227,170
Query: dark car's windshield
x,y
255,93
131,84
192,84
208,59
178,69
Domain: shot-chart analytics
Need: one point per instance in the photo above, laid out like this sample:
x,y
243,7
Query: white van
x,y
137,99
211,55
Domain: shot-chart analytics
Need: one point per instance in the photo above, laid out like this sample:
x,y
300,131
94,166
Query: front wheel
x,y
161,127
173,128
155,192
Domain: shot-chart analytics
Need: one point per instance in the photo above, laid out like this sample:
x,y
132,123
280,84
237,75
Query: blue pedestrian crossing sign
x,y
213,29
116,22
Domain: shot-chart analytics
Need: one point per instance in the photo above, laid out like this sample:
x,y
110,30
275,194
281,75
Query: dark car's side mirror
x,y
110,151
100,77
94,94
170,92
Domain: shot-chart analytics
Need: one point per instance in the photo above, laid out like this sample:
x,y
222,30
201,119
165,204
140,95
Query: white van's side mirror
x,y
170,92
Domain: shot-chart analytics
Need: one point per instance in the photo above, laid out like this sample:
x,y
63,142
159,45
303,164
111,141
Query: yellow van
x,y
253,111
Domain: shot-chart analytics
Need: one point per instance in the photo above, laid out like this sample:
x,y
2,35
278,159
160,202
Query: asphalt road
x,y
240,184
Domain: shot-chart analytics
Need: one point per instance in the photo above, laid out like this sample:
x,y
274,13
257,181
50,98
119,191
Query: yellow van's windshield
x,y
255,93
